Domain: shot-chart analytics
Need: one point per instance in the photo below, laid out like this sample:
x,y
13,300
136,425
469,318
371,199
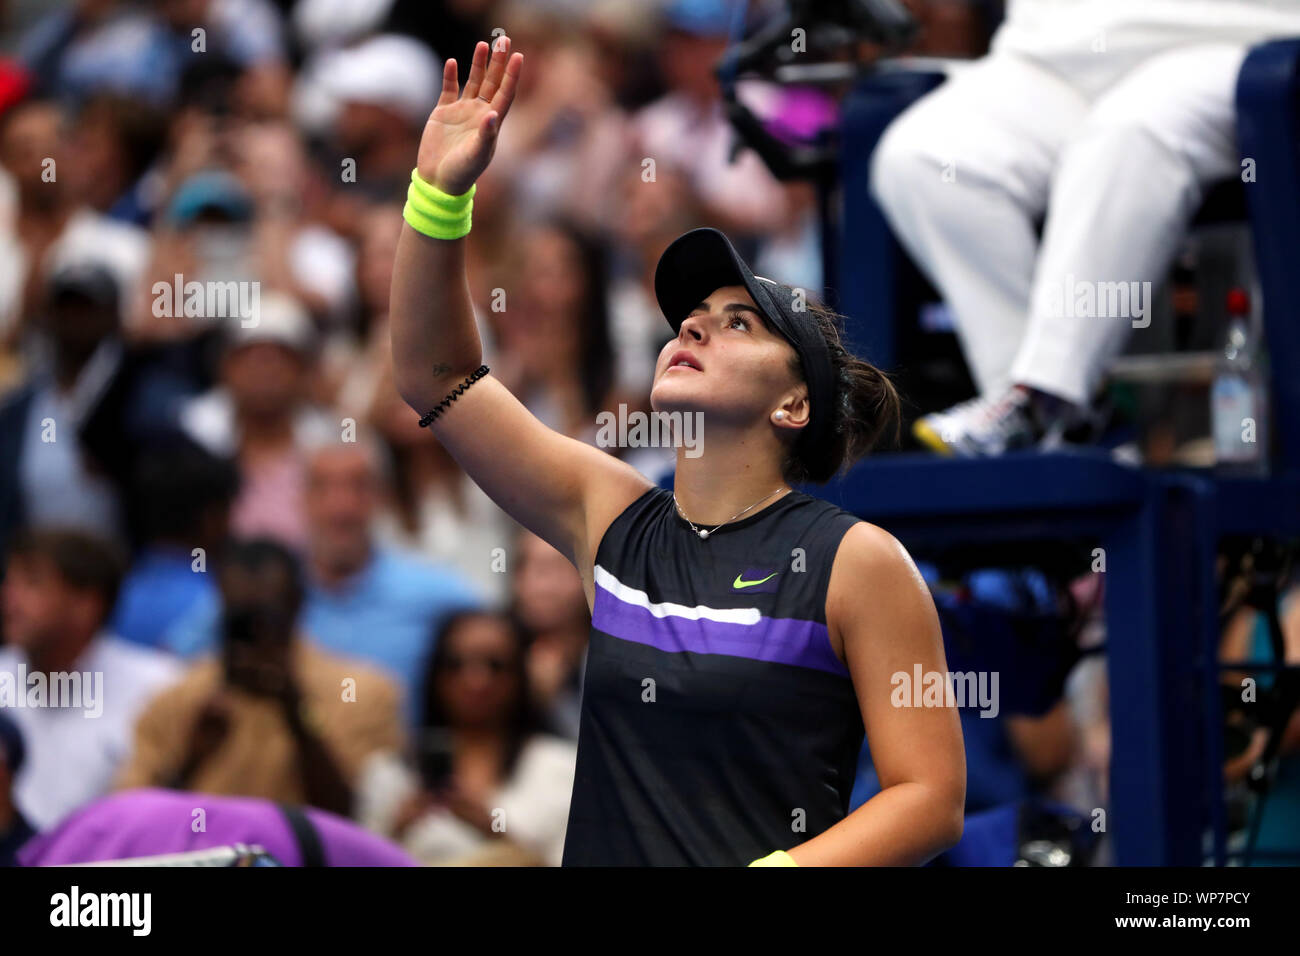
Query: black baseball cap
x,y
89,281
699,262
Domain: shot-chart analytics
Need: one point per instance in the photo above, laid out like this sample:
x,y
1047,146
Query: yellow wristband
x,y
777,858
433,194
437,214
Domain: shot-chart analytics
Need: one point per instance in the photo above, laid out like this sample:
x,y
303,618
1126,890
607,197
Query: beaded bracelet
x,y
454,394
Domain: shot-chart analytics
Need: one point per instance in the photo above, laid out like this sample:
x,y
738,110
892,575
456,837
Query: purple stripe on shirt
x,y
780,640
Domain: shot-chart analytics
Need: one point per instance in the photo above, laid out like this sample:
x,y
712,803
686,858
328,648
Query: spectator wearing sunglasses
x,y
483,785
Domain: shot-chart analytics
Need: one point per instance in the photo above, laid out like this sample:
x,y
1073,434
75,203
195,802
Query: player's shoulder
x,y
620,485
611,498
867,541
871,561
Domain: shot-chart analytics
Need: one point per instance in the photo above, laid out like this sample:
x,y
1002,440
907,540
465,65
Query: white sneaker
x,y
981,427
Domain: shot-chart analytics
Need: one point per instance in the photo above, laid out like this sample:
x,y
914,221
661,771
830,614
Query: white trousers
x,y
1117,165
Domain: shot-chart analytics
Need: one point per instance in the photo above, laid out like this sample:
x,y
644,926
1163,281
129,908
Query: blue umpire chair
x,y
1159,529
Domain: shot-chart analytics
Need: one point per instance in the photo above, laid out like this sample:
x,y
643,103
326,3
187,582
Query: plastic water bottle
x,y
1239,395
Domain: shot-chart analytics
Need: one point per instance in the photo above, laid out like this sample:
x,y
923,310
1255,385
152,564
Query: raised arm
x,y
435,341
563,490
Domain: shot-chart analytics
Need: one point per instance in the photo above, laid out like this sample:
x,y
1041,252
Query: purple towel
x,y
153,822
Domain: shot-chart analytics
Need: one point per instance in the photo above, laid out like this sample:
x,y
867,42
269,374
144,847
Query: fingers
x,y
505,95
450,86
496,69
477,70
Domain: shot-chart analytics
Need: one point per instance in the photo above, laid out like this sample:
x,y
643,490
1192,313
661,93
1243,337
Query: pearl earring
x,y
779,415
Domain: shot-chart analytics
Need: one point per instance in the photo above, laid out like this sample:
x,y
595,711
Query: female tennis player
x,y
744,634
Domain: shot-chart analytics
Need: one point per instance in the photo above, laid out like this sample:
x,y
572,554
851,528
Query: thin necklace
x,y
705,532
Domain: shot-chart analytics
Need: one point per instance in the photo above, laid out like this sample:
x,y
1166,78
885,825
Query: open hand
x,y
461,133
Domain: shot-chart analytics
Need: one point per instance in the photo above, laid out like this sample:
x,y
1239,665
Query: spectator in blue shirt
x,y
183,496
103,46
364,599
97,45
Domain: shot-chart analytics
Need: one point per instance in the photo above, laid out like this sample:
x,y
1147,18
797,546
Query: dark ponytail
x,y
866,409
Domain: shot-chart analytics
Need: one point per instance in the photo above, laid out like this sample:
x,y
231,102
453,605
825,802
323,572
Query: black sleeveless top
x,y
717,723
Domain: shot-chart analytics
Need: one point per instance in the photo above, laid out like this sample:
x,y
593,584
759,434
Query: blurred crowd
x,y
212,498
